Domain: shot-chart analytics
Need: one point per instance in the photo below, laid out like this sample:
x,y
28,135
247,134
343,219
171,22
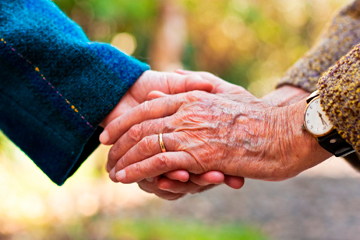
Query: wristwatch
x,y
317,123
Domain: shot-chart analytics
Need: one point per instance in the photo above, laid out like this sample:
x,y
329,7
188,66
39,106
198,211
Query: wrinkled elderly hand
x,y
197,183
170,83
283,96
236,134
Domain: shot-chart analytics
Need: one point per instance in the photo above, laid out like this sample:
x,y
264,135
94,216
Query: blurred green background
x,y
247,42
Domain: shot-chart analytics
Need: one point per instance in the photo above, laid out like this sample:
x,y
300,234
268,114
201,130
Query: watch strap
x,y
353,160
335,144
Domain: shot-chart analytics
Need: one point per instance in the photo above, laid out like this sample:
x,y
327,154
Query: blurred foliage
x,y
145,229
247,42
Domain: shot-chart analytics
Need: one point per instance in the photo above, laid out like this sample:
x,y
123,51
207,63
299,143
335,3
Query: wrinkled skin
x,y
234,133
170,83
283,96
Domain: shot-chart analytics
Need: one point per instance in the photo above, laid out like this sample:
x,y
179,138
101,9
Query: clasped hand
x,y
177,183
225,129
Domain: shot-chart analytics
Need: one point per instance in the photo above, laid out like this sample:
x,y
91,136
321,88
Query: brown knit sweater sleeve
x,y
340,96
341,35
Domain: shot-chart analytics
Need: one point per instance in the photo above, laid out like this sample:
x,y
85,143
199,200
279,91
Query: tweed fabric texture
x,y
340,96
56,86
341,35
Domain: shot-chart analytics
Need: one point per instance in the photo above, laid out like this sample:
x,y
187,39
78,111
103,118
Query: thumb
x,y
155,94
220,85
195,82
178,83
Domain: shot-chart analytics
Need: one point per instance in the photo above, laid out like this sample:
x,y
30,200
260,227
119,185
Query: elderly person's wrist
x,y
304,149
288,148
285,96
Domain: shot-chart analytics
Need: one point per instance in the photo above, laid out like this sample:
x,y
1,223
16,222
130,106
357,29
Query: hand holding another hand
x,y
177,181
234,133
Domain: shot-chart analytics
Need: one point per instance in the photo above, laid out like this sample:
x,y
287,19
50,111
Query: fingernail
x,y
121,175
104,137
150,179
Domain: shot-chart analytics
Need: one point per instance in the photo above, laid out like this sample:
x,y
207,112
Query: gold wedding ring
x,y
162,145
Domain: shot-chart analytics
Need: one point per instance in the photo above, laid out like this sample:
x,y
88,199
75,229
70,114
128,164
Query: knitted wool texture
x,y
56,86
340,96
339,86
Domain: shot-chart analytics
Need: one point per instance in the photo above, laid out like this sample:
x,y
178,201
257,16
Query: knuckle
x,y
193,96
163,163
167,125
146,107
135,133
146,146
116,125
141,170
137,168
196,96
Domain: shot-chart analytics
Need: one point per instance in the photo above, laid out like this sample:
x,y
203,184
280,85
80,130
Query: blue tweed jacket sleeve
x,y
56,86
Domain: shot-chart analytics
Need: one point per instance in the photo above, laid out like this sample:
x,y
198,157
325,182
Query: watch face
x,y
316,121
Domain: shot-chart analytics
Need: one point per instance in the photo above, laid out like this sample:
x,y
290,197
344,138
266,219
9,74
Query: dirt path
x,y
311,208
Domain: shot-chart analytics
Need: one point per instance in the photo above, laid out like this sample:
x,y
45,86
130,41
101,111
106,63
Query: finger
x,y
136,134
140,134
231,91
155,109
152,187
108,168
220,85
234,182
184,83
169,83
178,175
158,165
213,177
112,175
179,187
147,147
